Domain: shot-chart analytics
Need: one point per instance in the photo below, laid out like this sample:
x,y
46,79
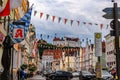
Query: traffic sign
x,y
110,10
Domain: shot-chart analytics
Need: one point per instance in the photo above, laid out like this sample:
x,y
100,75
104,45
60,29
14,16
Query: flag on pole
x,y
5,10
15,4
18,32
34,52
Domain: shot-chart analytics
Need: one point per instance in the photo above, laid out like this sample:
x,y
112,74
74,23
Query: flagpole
x,y
12,50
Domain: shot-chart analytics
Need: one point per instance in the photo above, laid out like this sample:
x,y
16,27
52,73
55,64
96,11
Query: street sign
x,y
110,16
110,10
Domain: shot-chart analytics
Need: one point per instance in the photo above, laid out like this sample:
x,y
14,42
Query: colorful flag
x,y
18,32
5,11
35,50
15,4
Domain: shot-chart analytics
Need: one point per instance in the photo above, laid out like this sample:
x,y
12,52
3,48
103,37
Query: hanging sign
x,y
18,33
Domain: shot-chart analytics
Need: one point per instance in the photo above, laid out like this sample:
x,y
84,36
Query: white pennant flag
x,y
15,4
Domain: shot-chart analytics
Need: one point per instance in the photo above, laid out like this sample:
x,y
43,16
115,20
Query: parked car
x,y
106,75
76,74
60,75
47,73
86,75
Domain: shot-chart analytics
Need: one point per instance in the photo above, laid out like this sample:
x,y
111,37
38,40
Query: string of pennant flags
x,y
48,36
53,17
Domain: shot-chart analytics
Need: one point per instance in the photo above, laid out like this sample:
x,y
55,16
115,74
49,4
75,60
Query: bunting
x,y
72,21
59,19
35,12
101,26
41,14
53,18
65,21
18,32
47,16
78,23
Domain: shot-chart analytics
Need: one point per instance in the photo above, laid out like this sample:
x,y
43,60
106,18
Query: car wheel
x,y
68,78
53,77
47,79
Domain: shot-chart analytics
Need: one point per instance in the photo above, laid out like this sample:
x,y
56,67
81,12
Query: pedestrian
x,y
18,74
23,75
113,72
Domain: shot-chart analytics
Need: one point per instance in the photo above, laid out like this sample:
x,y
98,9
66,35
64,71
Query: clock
x,y
98,35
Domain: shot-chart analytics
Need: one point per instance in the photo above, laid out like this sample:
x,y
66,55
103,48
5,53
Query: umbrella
x,y
6,57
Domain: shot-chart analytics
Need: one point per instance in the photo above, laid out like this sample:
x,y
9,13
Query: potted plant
x,y
32,67
23,66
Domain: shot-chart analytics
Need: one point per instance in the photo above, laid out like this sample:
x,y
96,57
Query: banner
x,y
18,32
5,10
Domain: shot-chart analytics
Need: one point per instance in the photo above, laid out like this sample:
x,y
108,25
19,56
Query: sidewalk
x,y
37,77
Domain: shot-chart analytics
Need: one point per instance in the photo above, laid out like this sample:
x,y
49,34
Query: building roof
x,y
67,38
56,39
57,54
72,39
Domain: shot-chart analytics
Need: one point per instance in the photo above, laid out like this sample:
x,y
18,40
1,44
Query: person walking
x,y
23,75
18,74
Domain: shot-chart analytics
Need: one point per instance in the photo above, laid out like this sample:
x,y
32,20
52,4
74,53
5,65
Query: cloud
x,y
82,10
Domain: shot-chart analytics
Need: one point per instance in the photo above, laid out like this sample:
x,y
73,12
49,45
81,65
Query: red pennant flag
x,y
6,10
53,18
101,26
41,14
65,21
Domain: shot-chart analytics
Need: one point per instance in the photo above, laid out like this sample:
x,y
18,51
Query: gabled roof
x,y
72,39
57,54
56,39
67,38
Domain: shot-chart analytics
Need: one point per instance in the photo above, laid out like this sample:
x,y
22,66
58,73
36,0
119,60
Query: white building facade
x,y
110,51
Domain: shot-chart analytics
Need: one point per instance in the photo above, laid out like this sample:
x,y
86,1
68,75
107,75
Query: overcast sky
x,y
89,11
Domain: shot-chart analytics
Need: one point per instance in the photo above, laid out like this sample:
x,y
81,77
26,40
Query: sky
x,y
84,11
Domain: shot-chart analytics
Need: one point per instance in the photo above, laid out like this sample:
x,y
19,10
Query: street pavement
x,y
39,77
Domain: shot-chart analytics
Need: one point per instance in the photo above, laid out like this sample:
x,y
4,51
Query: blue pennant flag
x,y
19,29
